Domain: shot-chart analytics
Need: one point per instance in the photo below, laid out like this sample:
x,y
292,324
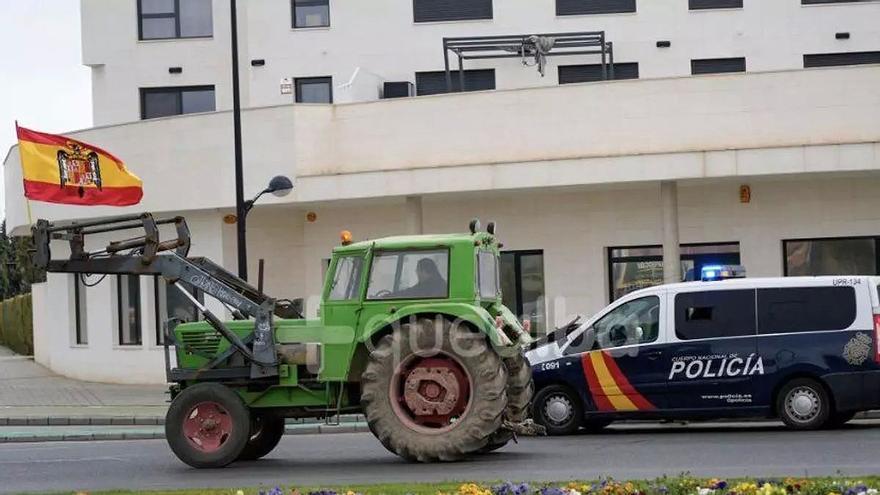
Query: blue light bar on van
x,y
722,272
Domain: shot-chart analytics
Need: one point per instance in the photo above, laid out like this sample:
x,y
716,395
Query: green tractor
x,y
412,333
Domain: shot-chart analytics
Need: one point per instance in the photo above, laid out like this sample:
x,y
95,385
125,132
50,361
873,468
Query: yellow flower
x,y
473,489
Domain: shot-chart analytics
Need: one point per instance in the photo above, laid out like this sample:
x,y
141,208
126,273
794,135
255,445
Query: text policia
x,y
691,367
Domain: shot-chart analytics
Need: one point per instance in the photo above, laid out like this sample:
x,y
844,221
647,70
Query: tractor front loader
x,y
412,333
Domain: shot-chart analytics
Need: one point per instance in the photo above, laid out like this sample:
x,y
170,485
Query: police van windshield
x,y
634,322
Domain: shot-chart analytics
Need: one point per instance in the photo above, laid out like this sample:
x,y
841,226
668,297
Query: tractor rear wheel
x,y
207,425
266,432
434,391
520,389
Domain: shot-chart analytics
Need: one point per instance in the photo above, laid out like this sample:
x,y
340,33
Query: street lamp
x,y
279,186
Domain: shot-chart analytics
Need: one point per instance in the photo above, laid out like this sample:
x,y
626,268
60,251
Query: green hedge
x,y
17,324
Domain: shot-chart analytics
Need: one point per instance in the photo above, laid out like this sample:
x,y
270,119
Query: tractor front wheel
x,y
207,425
434,391
266,432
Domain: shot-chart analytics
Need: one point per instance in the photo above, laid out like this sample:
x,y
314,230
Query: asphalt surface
x,y
624,452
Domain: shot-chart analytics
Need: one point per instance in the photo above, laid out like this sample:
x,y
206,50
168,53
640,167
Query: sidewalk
x,y
32,395
37,405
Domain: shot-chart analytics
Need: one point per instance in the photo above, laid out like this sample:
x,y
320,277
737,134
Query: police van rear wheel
x,y
803,404
558,409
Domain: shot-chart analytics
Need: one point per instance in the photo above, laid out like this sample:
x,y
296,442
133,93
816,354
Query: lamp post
x,y
240,211
279,186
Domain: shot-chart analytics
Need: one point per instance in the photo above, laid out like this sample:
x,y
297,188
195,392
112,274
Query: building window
x,y
128,307
310,13
433,83
815,2
164,102
168,19
839,59
522,286
839,256
314,90
579,7
714,4
80,318
718,65
715,313
633,268
593,72
451,10
170,303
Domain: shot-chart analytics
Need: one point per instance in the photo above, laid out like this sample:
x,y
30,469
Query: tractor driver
x,y
431,283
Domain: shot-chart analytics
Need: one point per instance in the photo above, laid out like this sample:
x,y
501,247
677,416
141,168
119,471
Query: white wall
x,y
103,359
380,36
719,112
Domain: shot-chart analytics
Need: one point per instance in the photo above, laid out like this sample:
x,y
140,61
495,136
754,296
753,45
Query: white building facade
x,y
776,167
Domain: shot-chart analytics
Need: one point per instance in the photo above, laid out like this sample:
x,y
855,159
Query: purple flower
x,y
276,491
509,488
547,490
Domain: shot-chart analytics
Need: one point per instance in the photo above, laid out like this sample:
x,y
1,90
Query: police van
x,y
802,349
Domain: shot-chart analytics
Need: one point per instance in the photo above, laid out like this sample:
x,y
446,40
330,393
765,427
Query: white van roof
x,y
759,282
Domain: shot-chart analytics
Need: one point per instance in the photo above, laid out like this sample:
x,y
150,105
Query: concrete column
x,y
671,249
414,215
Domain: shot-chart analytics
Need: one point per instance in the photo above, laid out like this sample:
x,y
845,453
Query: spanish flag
x,y
58,169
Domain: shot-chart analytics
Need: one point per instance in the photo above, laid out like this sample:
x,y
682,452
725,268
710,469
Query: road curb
x,y
56,420
159,433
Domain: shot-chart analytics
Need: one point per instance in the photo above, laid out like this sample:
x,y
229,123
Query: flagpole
x,y
27,202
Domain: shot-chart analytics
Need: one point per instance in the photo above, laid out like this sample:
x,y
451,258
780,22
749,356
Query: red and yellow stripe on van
x,y
609,387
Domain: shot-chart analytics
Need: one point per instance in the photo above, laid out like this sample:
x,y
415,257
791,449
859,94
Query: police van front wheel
x,y
803,404
558,409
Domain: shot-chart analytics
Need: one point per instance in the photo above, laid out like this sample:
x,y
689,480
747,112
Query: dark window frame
x,y
293,14
173,15
617,65
455,80
595,11
297,87
610,260
491,15
519,311
178,90
747,293
695,71
875,238
120,287
832,2
699,5
811,59
767,296
81,333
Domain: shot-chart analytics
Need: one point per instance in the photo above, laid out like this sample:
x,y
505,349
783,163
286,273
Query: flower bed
x,y
678,485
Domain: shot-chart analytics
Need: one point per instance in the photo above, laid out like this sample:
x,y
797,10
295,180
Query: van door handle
x,y
653,354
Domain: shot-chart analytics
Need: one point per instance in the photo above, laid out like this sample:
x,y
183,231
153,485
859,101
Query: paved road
x,y
623,452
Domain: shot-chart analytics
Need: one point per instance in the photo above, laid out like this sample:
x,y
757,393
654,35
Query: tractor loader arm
x,y
147,254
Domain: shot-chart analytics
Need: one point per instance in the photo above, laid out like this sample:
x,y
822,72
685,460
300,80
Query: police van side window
x,y
805,309
634,322
712,314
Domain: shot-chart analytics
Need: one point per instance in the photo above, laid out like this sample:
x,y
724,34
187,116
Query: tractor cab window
x,y
487,275
346,279
422,274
